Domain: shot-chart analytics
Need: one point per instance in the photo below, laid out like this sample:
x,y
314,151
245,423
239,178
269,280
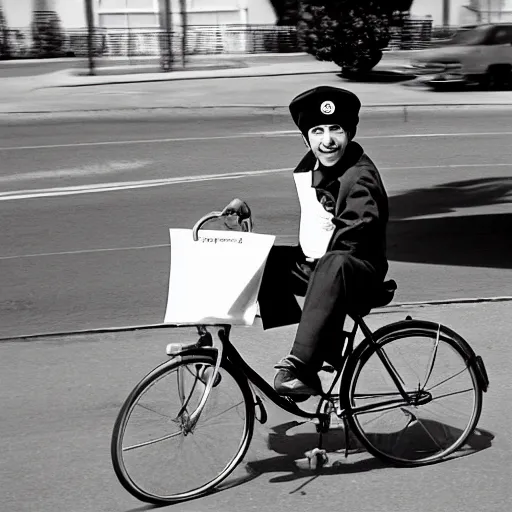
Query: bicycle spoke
x,y
453,394
421,424
155,412
448,379
152,441
204,424
450,408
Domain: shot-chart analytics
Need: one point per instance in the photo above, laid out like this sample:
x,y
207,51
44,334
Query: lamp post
x,y
89,16
446,13
166,40
183,9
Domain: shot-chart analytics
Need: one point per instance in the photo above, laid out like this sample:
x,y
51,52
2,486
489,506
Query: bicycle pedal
x,y
314,459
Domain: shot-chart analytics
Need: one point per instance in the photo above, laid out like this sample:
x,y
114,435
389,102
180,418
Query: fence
x,y
200,40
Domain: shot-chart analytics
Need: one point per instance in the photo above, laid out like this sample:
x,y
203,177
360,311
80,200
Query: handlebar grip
x,y
244,219
202,220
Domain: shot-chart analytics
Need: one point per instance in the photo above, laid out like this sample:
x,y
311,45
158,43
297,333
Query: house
x,y
144,13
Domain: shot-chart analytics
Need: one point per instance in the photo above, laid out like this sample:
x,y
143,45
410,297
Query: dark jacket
x,y
353,192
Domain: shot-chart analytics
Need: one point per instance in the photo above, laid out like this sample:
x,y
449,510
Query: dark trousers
x,y
336,283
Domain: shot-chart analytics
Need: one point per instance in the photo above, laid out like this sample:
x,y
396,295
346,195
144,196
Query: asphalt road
x,y
59,398
86,206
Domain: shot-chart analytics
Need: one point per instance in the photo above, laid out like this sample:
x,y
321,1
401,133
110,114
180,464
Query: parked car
x,y
482,55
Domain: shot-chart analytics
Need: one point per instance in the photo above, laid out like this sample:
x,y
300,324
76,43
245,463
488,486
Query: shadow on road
x,y
422,228
291,450
376,76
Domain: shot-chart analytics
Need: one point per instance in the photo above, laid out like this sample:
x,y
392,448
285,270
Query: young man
x,y
341,256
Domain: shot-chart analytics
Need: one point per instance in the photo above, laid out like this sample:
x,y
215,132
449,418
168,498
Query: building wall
x,y
212,12
434,8
261,12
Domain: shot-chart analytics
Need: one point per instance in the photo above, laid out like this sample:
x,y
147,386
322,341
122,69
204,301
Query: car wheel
x,y
497,77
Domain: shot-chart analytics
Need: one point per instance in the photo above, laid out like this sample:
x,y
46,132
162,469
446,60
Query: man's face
x,y
328,143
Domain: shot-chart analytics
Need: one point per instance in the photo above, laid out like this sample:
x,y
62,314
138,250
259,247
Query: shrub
x,y
5,46
47,35
351,33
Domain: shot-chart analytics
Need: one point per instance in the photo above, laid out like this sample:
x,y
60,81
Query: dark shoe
x,y
286,383
294,379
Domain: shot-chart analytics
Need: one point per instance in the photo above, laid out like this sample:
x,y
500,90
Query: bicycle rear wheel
x,y
158,456
431,361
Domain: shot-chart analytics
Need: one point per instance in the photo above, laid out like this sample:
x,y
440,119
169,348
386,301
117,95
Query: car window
x,y
502,35
470,37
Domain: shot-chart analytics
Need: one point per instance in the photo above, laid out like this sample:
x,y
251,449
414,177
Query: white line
x,y
109,249
244,136
83,251
127,185
398,135
136,141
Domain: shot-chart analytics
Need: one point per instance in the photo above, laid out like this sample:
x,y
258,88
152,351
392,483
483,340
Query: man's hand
x,y
239,208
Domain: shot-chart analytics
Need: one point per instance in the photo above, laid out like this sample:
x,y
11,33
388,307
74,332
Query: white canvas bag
x,y
215,279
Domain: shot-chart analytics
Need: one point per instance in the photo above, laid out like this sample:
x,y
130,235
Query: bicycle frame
x,y
228,351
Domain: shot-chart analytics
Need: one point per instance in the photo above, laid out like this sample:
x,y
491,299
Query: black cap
x,y
325,105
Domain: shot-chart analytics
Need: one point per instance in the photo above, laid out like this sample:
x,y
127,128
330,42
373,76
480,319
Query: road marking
x,y
84,251
280,133
87,170
127,185
109,249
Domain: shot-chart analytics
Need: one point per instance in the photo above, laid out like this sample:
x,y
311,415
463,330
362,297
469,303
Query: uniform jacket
x,y
353,192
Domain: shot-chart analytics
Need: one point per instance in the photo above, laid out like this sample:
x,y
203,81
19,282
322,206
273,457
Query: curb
x,y
187,78
378,106
131,328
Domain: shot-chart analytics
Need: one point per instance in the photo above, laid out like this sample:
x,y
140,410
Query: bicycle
x,y
394,393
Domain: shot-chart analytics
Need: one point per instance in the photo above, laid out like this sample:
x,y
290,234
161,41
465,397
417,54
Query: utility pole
x,y
166,39
446,13
89,16
183,9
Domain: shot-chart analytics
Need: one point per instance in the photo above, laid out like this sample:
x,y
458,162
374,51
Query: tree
x,y
351,33
287,12
47,35
5,46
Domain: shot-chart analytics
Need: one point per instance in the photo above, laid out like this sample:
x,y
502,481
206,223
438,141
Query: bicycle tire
x,y
385,445
145,492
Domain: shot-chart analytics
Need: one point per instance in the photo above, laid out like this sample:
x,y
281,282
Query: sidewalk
x,y
220,82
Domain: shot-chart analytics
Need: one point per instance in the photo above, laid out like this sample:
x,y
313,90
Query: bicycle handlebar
x,y
245,223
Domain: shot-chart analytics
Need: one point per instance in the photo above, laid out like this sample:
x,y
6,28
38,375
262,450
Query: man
x,y
341,256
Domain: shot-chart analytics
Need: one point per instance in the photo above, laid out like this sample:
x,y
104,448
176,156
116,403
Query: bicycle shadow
x,y
292,448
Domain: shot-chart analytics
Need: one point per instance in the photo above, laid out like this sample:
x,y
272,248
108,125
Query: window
x,y
148,5
140,4
502,35
112,20
142,20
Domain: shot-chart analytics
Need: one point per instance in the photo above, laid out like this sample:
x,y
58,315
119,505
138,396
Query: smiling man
x,y
341,256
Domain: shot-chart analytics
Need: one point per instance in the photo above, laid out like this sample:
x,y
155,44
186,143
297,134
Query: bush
x,y
47,35
5,46
350,33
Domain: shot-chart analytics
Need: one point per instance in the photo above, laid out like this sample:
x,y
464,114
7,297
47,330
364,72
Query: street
x,y
86,202
87,206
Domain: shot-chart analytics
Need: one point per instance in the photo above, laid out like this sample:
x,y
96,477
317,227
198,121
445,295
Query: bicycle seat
x,y
382,297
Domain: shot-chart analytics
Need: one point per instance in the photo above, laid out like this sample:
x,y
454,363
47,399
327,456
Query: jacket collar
x,y
325,176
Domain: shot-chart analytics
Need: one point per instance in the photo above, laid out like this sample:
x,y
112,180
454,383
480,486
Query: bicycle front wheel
x,y
158,454
430,361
